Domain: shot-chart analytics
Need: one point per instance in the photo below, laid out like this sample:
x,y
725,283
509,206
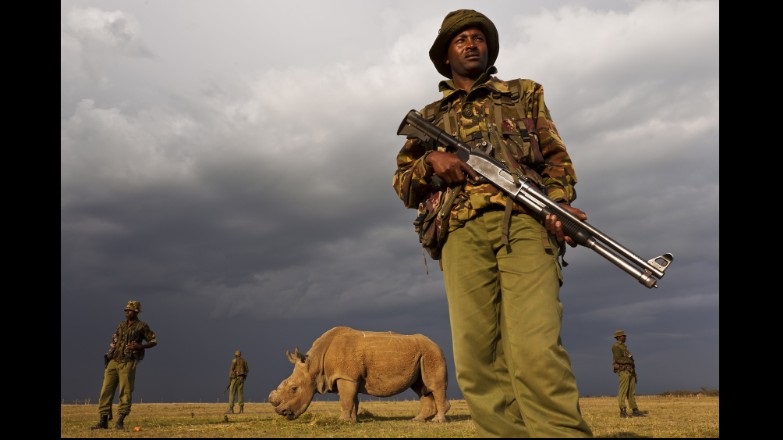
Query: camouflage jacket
x,y
238,367
488,117
137,331
622,359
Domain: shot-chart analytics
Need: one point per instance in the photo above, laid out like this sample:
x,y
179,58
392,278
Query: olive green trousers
x,y
626,389
237,391
505,315
116,375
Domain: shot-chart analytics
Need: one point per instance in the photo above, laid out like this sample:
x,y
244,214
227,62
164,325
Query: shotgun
x,y
527,193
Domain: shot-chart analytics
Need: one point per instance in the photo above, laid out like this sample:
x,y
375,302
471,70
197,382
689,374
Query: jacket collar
x,y
486,80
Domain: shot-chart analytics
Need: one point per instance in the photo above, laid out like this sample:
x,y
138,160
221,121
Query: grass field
x,y
666,417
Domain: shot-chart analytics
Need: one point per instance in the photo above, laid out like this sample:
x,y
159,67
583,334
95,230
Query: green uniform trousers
x,y
122,375
505,315
237,391
626,389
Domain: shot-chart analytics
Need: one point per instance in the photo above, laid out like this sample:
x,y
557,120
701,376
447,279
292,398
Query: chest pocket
x,y
515,128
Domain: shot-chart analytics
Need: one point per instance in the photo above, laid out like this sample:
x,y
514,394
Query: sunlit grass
x,y
667,417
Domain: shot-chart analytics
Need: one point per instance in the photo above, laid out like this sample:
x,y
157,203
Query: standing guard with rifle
x,y
500,259
236,382
625,367
129,342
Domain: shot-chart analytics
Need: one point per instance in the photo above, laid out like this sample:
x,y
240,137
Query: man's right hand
x,y
450,168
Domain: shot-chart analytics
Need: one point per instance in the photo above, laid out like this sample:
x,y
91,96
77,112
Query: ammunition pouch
x,y
432,220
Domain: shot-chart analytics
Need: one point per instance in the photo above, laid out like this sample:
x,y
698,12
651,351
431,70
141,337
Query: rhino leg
x,y
443,405
437,398
427,408
349,399
434,404
434,378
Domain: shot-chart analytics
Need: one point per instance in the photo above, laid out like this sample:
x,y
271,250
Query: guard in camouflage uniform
x,y
125,351
623,364
237,374
500,265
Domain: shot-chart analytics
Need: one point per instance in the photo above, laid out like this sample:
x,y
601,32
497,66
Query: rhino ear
x,y
295,356
290,357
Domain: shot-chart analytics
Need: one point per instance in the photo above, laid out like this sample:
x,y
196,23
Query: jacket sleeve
x,y
559,177
411,179
149,336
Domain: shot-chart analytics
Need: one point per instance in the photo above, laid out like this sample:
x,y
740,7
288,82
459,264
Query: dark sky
x,y
233,173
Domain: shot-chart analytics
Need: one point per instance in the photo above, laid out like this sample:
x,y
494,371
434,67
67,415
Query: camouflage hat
x,y
454,22
619,333
133,305
237,353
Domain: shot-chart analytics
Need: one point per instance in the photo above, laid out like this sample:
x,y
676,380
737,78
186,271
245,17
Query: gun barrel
x,y
529,195
573,227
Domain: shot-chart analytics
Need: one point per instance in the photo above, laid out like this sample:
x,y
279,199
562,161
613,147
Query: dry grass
x,y
667,417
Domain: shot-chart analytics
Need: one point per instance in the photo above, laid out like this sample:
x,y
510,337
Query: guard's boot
x,y
230,410
241,409
637,413
102,424
120,422
623,414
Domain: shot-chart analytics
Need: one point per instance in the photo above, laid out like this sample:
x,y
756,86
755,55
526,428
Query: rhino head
x,y
293,396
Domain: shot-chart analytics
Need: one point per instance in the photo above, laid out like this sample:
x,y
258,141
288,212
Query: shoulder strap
x,y
441,106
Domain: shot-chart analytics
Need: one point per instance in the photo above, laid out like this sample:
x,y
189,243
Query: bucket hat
x,y
133,305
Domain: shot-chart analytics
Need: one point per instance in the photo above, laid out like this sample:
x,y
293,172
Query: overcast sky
x,y
229,164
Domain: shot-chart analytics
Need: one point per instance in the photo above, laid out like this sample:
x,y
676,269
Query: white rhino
x,y
382,364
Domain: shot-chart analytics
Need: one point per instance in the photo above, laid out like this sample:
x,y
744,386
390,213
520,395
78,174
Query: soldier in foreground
x,y
500,265
125,351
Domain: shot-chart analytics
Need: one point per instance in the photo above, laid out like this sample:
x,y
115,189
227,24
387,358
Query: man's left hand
x,y
555,226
